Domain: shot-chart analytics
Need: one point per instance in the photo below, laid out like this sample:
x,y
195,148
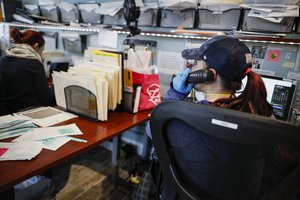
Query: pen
x,y
76,139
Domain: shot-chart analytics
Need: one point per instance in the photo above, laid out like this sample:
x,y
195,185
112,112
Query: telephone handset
x,y
200,76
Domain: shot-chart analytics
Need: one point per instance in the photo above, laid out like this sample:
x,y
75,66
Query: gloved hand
x,y
179,82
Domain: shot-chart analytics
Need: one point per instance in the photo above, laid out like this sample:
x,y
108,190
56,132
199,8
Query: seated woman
x,y
24,79
23,85
228,61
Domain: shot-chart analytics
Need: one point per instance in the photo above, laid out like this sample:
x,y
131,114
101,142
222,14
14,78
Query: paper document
x,y
19,151
50,132
14,133
54,143
12,126
272,12
138,60
46,116
7,121
108,38
170,62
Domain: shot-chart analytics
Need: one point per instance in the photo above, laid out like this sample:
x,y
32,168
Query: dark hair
x,y
251,100
29,37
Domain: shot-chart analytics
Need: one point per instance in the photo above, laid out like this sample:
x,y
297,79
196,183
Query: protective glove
x,y
179,82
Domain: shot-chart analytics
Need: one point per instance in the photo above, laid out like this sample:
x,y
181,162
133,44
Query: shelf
x,y
165,32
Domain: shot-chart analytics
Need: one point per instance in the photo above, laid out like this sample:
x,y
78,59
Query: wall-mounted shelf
x,y
158,32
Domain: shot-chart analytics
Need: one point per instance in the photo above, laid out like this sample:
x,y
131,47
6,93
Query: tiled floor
x,y
87,177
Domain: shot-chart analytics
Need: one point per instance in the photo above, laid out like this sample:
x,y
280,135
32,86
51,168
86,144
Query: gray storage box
x,y
117,19
174,17
278,2
32,9
75,45
88,14
148,17
217,18
261,25
50,11
68,14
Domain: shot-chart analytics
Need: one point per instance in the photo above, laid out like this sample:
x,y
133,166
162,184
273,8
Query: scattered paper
x,y
14,133
272,12
50,132
54,143
46,116
14,125
19,151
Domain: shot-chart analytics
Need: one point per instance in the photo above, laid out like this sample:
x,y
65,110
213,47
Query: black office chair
x,y
175,124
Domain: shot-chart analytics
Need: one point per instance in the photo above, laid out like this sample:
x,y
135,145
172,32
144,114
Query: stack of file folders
x,y
104,81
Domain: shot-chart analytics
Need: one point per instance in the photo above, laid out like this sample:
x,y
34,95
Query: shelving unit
x,y
168,33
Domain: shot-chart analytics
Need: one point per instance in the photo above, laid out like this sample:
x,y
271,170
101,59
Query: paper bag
x,y
150,90
142,91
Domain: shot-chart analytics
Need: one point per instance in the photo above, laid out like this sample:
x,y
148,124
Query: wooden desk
x,y
13,172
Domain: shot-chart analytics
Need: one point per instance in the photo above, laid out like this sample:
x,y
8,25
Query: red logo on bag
x,y
154,93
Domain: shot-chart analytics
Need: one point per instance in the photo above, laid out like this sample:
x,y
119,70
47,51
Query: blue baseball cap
x,y
227,55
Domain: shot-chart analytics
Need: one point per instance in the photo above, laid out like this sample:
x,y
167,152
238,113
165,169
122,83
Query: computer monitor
x,y
280,94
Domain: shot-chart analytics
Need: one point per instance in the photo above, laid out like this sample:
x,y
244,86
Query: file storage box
x,y
261,25
32,9
282,2
51,41
176,3
148,17
50,11
174,17
68,13
117,19
218,17
75,44
88,14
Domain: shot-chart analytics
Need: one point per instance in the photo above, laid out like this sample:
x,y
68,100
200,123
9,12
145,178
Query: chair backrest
x,y
230,126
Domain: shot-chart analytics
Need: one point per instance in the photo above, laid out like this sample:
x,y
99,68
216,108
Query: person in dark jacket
x,y
223,170
24,85
24,80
